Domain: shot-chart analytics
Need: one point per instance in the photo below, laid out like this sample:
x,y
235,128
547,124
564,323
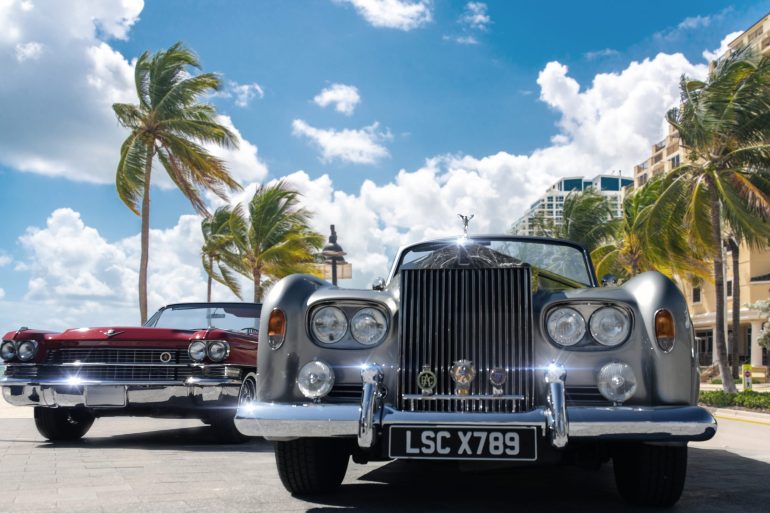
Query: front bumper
x,y
192,393
555,420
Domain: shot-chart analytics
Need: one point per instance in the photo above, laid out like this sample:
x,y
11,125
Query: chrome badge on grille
x,y
165,357
497,378
463,372
426,379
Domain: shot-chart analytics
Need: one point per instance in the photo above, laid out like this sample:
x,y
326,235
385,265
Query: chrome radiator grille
x,y
482,315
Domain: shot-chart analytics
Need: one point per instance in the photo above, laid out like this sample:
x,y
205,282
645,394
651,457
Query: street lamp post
x,y
334,256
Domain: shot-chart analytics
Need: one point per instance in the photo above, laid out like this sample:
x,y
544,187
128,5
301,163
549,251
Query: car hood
x,y
130,335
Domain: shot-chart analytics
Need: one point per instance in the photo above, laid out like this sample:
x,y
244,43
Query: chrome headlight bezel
x,y
565,312
26,344
350,310
599,336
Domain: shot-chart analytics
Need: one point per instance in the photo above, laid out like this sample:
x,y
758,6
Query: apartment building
x,y
550,206
754,264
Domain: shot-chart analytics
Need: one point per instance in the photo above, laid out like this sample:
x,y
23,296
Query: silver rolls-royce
x,y
492,348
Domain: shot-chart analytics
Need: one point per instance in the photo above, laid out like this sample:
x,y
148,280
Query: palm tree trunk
x,y
720,347
736,303
145,237
208,289
257,276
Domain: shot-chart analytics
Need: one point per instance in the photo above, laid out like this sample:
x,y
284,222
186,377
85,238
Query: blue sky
x,y
437,103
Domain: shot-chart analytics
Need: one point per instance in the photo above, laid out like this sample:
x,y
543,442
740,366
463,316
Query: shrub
x,y
748,399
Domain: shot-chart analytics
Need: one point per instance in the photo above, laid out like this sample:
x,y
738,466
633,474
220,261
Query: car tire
x,y
63,424
650,475
312,466
224,427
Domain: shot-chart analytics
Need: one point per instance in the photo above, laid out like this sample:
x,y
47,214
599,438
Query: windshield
x,y
555,257
242,318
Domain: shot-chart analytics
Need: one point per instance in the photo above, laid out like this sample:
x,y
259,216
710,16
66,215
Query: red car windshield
x,y
240,318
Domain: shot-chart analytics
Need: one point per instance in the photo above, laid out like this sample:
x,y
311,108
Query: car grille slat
x,y
482,315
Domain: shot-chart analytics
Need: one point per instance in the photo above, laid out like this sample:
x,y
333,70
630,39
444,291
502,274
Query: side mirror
x,y
608,280
379,284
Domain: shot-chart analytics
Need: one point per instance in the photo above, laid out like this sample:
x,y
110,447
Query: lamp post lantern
x,y
334,258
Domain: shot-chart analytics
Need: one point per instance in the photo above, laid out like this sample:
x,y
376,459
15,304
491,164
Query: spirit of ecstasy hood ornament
x,y
465,220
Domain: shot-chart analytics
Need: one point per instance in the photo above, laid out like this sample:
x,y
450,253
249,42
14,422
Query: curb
x,y
740,415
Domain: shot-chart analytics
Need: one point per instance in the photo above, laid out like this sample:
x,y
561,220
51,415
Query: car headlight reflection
x,y
566,326
368,326
197,350
610,326
315,379
7,351
616,382
217,350
329,324
26,350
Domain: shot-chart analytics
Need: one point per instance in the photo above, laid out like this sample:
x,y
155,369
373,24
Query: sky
x,y
389,116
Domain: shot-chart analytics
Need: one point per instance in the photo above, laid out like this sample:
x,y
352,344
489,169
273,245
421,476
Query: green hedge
x,y
749,399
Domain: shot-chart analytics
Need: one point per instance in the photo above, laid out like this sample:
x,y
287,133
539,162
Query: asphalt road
x,y
139,465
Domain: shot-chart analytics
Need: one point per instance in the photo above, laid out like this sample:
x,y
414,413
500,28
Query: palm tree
x,y
627,253
587,219
169,124
217,249
276,239
724,127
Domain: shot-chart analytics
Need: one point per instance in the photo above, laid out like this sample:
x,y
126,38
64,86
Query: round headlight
x,y
7,351
368,326
315,379
616,381
329,324
218,350
566,326
197,350
609,326
27,350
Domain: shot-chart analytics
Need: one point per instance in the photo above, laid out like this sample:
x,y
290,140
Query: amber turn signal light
x,y
665,330
276,328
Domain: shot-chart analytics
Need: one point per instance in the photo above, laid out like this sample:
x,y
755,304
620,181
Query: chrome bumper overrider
x,y
202,391
280,421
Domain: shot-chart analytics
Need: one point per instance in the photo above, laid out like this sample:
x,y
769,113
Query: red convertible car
x,y
190,360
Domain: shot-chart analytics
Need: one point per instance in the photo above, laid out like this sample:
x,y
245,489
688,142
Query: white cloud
x,y
344,97
694,22
712,55
475,16
356,146
397,14
462,40
2,293
242,94
28,51
605,52
5,260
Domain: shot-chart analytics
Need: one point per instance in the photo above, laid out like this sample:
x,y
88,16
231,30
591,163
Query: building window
x,y
729,286
642,179
675,160
696,294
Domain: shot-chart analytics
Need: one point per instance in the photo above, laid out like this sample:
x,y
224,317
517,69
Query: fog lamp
x,y
315,379
616,382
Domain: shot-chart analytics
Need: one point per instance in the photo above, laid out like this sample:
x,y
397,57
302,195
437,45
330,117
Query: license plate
x,y
463,443
105,395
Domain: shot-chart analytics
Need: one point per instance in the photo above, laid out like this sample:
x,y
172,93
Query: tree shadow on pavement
x,y
717,481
